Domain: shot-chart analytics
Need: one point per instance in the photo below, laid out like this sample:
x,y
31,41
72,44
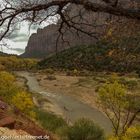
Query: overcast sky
x,y
19,38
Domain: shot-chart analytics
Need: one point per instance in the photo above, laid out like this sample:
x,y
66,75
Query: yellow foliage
x,y
6,77
23,101
32,114
133,133
12,94
113,94
113,138
15,63
76,72
110,53
7,86
109,33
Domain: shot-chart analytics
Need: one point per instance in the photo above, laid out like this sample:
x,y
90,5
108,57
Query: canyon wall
x,y
43,43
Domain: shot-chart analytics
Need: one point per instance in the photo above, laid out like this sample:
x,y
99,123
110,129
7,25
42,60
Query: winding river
x,y
72,108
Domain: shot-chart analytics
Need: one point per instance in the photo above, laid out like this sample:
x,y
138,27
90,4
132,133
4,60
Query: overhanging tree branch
x,y
31,10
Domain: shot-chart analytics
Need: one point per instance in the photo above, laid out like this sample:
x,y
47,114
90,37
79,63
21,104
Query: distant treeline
x,y
11,62
104,56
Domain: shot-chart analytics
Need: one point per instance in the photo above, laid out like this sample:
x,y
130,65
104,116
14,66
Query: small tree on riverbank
x,y
118,107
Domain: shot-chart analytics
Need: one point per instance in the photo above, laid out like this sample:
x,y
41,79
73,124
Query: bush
x,y
49,71
11,93
16,63
23,101
7,86
84,129
51,77
132,133
131,84
50,121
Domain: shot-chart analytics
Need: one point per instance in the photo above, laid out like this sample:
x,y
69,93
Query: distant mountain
x,y
43,43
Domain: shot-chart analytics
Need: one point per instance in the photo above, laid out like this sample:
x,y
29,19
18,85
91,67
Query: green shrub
x,y
50,121
84,129
49,71
131,84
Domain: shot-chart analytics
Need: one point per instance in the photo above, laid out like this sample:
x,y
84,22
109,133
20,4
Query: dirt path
x,y
71,108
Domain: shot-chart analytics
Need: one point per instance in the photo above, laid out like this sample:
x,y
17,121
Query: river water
x,y
72,108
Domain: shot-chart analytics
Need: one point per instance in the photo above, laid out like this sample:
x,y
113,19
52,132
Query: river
x,y
72,108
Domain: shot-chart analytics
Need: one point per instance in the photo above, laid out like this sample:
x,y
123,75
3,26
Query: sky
x,y
18,40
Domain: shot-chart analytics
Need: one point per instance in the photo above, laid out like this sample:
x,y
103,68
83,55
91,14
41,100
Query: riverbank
x,y
71,108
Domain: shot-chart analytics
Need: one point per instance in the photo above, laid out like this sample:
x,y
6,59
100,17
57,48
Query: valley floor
x,y
81,87
66,104
84,88
72,96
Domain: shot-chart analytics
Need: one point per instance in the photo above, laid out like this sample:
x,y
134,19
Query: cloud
x,y
19,37
19,50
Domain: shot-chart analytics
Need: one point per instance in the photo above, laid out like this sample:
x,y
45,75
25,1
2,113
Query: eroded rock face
x,y
43,43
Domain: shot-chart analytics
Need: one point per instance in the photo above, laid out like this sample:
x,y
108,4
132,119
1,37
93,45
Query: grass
x,y
50,121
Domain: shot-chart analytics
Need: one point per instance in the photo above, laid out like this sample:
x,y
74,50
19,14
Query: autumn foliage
x,y
14,95
16,63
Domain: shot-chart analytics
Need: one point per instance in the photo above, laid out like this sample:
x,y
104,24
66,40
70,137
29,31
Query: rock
x,y
3,105
6,120
43,43
9,134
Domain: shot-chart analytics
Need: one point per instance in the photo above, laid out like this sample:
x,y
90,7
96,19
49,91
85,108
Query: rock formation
x,y
43,43
8,134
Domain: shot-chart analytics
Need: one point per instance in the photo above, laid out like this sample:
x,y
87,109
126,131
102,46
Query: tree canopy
x,y
116,104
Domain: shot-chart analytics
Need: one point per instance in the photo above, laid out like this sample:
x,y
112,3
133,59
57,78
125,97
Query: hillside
x,y
99,57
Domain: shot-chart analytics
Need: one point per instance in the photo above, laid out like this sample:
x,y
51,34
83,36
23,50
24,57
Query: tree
x,y
84,129
37,11
133,133
14,95
114,101
7,86
23,101
15,63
